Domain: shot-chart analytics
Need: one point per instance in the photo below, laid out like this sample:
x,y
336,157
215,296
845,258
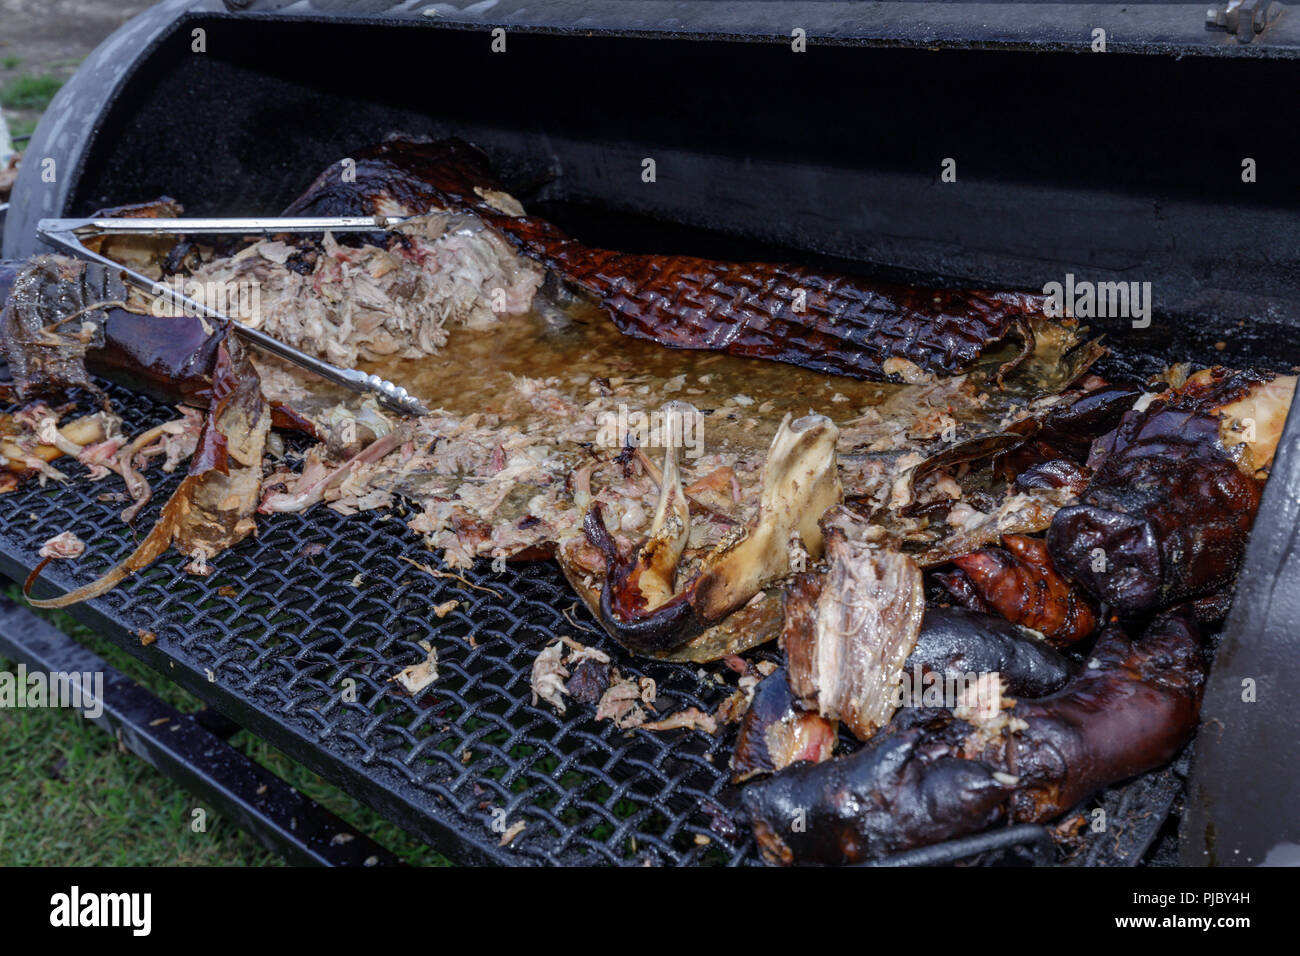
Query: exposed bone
x,y
669,533
800,482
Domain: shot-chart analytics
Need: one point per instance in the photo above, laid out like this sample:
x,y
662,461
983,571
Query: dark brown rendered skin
x,y
845,325
775,731
1166,506
1042,452
170,358
959,641
1056,447
1132,711
1020,582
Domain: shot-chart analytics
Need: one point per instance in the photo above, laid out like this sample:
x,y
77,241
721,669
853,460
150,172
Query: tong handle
x,y
63,234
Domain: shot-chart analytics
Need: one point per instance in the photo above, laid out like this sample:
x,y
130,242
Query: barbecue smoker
x,y
985,145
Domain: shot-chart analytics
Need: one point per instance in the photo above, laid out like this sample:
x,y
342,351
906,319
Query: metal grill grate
x,y
288,618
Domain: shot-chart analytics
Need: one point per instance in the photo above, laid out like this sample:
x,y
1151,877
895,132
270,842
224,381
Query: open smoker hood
x,y
1123,165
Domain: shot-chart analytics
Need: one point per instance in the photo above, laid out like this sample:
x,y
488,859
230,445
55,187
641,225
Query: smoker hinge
x,y
1245,18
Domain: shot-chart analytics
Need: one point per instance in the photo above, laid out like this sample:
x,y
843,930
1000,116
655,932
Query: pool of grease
x,y
583,353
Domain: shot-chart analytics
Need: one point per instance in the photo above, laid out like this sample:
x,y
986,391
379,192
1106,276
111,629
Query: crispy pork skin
x,y
1174,493
1130,710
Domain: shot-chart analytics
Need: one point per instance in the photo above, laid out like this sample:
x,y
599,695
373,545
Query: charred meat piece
x,y
639,605
590,679
1019,582
1040,452
1065,435
1131,709
859,640
847,637
839,324
1174,493
776,731
957,641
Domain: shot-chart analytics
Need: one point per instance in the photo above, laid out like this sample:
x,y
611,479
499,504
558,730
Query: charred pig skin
x,y
1169,508
834,323
901,790
1131,709
856,641
776,732
960,641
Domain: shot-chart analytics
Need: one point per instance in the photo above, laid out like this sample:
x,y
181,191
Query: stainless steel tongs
x,y
67,234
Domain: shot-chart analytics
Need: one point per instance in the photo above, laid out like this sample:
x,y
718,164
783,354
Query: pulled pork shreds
x,y
487,484
520,445
366,302
622,703
66,545
549,674
692,718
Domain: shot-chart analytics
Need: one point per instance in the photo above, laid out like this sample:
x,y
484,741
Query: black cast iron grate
x,y
297,633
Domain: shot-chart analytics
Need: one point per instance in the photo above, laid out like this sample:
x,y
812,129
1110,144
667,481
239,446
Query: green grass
x,y
11,62
70,795
29,92
21,127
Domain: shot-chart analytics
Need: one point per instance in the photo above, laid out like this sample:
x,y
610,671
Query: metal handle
x,y
66,235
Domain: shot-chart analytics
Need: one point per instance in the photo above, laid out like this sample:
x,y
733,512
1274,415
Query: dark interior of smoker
x,y
1118,167
834,162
